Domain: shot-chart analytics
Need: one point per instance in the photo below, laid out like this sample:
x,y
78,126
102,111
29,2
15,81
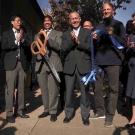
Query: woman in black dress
x,y
131,64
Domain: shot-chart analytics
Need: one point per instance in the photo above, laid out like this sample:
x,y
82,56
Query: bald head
x,y
74,19
74,14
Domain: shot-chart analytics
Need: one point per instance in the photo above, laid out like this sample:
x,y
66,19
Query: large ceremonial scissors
x,y
39,47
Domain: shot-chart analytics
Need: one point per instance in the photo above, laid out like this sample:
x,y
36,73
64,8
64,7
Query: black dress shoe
x,y
10,119
130,126
67,120
86,122
44,114
23,115
53,117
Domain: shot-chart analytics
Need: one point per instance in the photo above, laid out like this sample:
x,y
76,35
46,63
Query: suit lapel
x,y
80,34
51,33
11,34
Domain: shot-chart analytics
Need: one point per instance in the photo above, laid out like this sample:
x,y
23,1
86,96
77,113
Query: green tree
x,y
88,9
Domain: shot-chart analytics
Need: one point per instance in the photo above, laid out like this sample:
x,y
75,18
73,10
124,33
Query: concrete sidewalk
x,y
36,126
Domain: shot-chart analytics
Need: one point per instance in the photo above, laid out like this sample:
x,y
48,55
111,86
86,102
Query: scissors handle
x,y
37,47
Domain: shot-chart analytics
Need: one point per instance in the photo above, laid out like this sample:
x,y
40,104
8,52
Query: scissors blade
x,y
52,68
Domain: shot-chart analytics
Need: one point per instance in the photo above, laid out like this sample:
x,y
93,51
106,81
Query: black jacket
x,y
77,56
11,51
106,53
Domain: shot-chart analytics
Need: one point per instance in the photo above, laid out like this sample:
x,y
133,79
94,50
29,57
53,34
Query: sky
x,y
122,15
43,4
125,15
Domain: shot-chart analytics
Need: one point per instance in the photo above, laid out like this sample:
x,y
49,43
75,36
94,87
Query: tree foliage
x,y
88,9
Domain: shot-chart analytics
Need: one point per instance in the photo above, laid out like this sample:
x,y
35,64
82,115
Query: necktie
x,y
47,32
18,43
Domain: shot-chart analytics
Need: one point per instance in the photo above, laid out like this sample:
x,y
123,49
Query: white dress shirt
x,y
76,31
17,42
48,31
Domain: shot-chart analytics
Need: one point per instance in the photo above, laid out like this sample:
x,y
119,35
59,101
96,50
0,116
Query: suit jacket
x,y
0,52
1,57
53,48
106,53
11,51
77,55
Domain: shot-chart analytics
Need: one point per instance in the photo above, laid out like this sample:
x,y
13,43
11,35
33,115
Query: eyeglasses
x,y
18,21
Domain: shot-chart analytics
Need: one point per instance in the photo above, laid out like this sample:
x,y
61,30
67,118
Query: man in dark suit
x,y
76,45
47,82
15,44
109,58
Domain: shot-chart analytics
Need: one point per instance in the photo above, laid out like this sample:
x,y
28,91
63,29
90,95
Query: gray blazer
x,y
53,47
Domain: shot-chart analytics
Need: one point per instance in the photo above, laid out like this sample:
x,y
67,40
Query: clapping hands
x,y
74,37
20,35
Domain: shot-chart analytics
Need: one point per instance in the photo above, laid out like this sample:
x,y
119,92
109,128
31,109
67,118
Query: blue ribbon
x,y
91,76
114,41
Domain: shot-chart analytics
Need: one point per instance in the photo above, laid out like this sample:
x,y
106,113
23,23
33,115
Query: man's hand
x,y
20,36
110,30
74,37
95,35
132,45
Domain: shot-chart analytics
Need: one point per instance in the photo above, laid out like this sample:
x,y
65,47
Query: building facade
x,y
32,17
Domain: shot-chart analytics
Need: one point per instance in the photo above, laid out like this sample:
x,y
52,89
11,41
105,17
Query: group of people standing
x,y
84,49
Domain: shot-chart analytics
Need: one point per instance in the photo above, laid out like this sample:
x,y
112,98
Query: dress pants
x,y
49,89
112,73
70,81
12,77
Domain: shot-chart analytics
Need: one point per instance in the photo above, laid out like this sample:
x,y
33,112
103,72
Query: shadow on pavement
x,y
3,122
119,130
33,101
8,131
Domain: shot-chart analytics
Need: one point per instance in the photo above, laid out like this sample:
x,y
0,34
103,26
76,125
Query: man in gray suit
x,y
47,82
